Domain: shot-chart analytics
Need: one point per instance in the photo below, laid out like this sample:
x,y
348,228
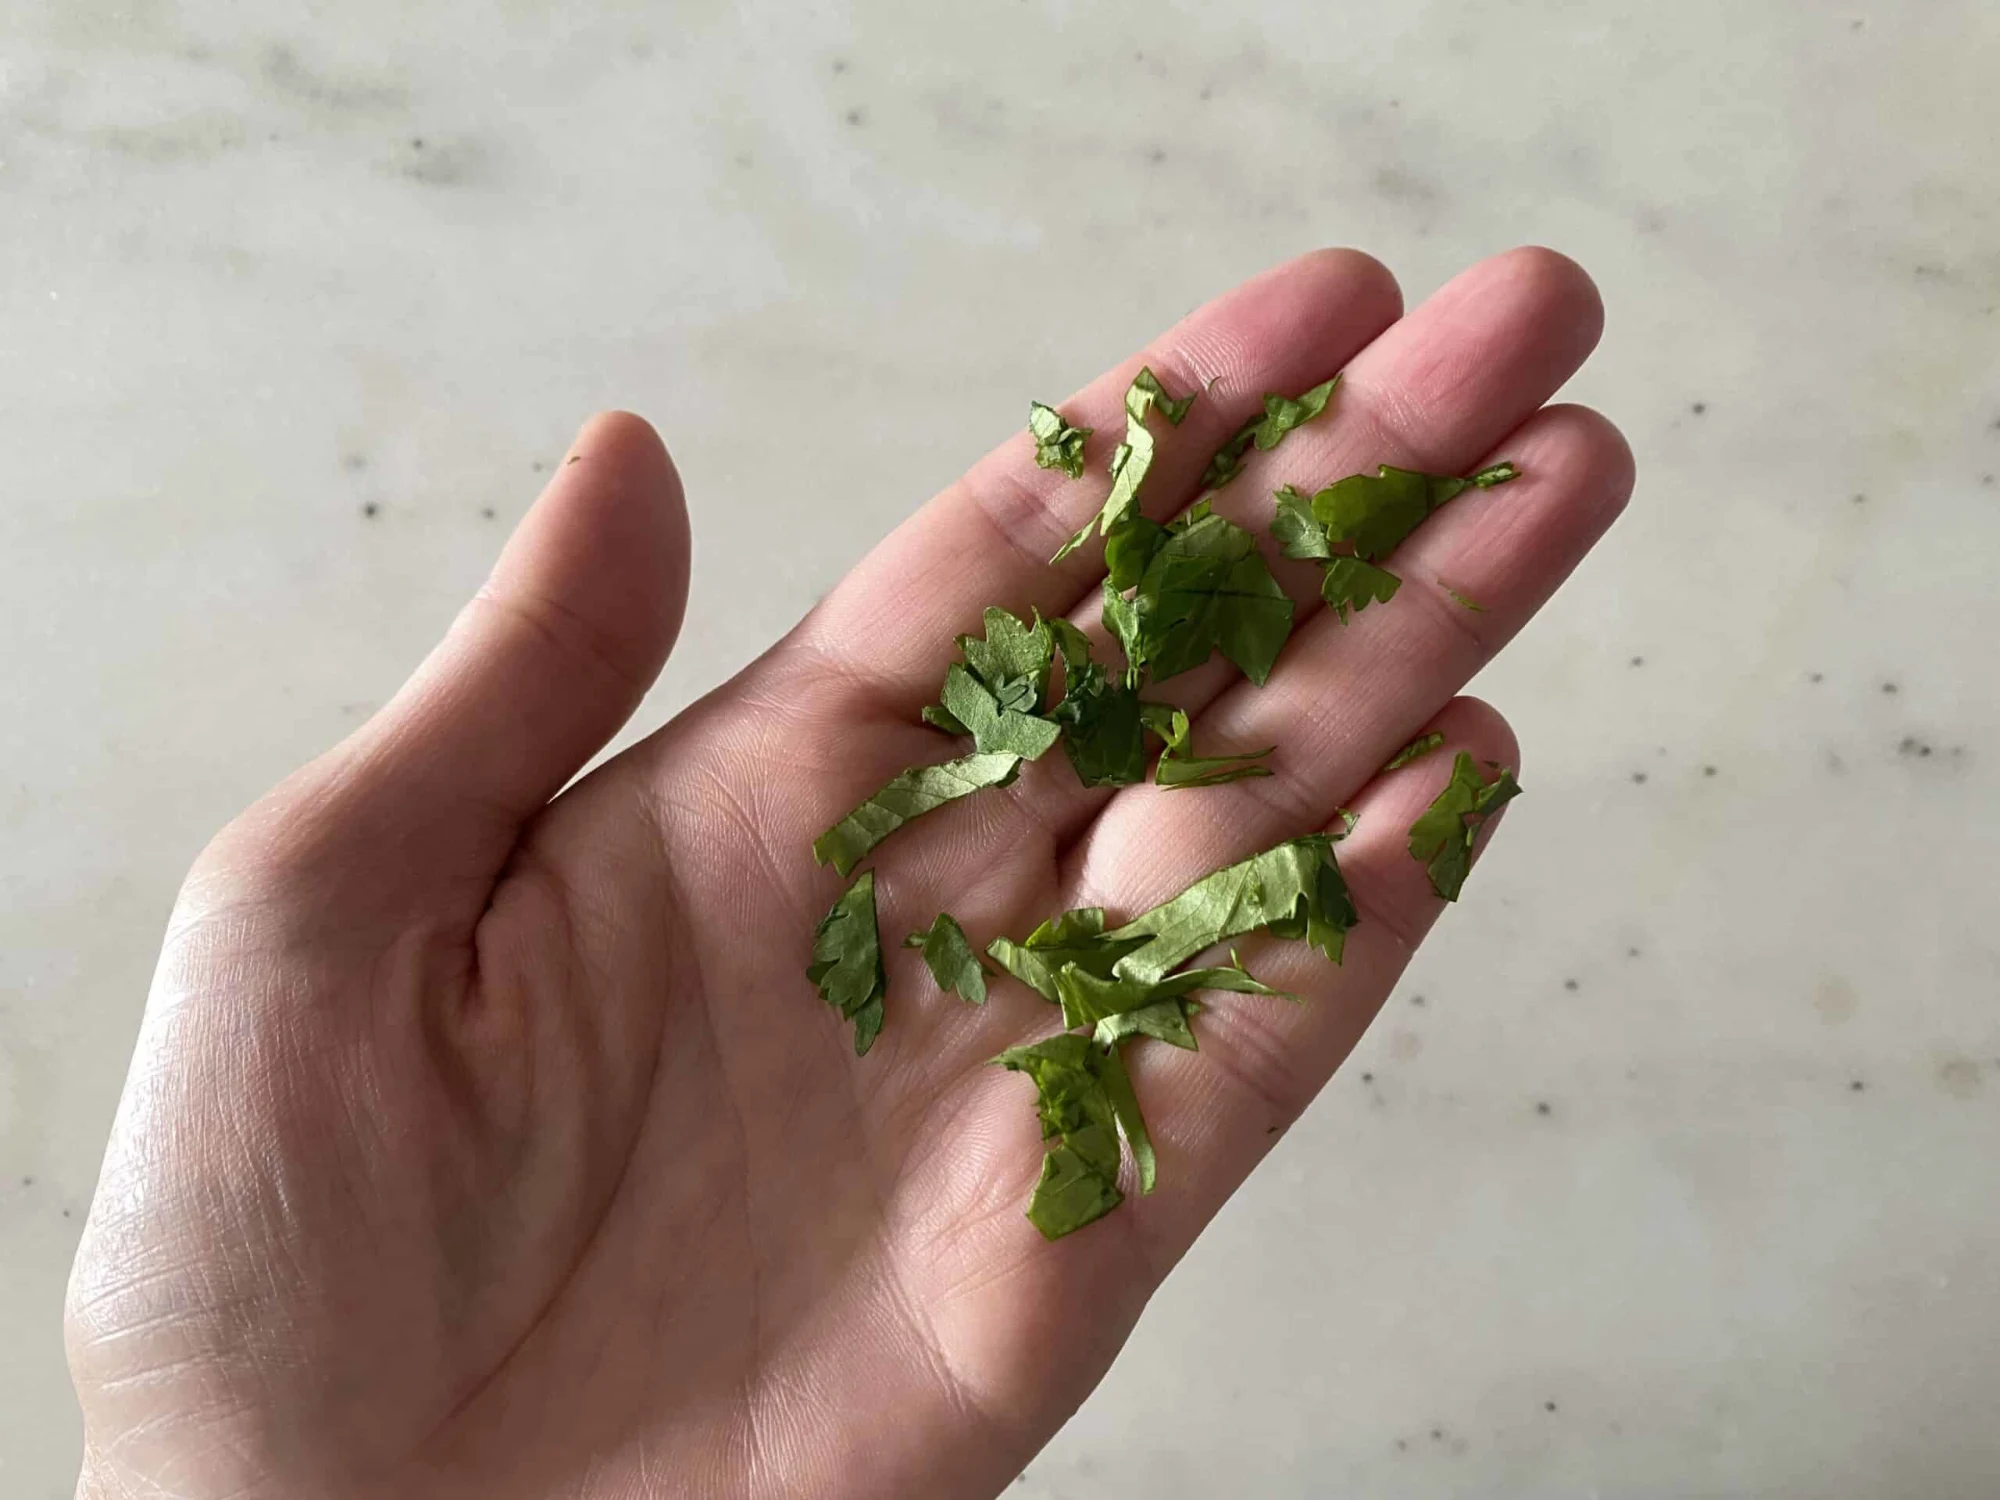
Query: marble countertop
x,y
1670,1171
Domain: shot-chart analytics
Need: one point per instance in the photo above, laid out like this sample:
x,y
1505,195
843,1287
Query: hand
x,y
483,1144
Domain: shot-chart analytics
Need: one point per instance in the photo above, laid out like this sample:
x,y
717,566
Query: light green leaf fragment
x,y
1441,839
1416,750
1133,457
1117,1084
950,958
1072,939
993,728
1179,766
1057,444
908,795
1294,889
1463,602
1088,999
1281,415
1079,1181
847,963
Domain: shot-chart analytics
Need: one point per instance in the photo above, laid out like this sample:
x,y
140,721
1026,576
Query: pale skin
x,y
485,1138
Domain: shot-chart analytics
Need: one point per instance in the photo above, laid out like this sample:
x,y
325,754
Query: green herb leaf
x,y
847,962
1079,1181
1442,838
1297,529
1117,1084
1205,588
1166,1021
1463,602
1294,889
1349,583
911,794
1057,444
1088,999
1281,415
939,718
950,958
1074,939
1013,659
1374,512
1133,457
992,727
1179,766
1417,749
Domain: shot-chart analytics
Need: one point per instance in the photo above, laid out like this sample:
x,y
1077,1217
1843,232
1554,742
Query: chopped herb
x,y
1204,587
995,726
1295,889
1179,766
950,958
847,961
1104,733
1073,939
1354,523
1417,749
1088,1000
1442,838
1463,602
1133,457
1281,415
1079,1182
908,795
1057,444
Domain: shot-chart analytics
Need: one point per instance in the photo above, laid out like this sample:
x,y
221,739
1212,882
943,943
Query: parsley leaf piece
x,y
1013,659
1088,999
1464,603
1349,583
1442,838
994,727
1117,1085
1206,588
1057,444
1133,457
1374,512
1179,766
939,717
910,794
1104,725
1074,939
1281,415
1417,749
1297,529
951,959
1079,1181
1294,889
1166,1021
847,962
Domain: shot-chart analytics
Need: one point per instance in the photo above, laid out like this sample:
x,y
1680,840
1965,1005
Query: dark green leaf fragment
x,y
1349,583
1179,766
910,794
1079,1181
1206,588
1072,939
1057,444
1281,415
950,958
1104,733
1133,457
1442,838
1294,889
847,963
1417,749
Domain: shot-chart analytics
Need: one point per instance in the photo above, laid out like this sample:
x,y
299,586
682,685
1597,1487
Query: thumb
x,y
538,671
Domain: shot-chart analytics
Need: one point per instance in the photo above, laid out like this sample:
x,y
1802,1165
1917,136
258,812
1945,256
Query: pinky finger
x,y
1216,1112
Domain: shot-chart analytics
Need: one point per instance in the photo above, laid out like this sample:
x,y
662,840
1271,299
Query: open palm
x,y
479,1144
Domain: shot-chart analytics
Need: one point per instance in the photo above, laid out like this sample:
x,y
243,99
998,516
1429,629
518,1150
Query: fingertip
x,y
1357,273
1556,282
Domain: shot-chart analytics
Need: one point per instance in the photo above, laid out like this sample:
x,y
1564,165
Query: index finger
x,y
988,539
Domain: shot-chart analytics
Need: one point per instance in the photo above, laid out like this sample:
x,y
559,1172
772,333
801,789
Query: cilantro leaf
x,y
1104,733
847,961
950,958
1057,444
1294,889
1355,522
1442,837
910,794
1079,1181
1074,939
994,727
1281,415
1417,749
1179,766
1133,457
1349,583
1205,588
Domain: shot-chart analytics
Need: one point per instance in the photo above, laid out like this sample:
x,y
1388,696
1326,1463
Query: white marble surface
x,y
264,268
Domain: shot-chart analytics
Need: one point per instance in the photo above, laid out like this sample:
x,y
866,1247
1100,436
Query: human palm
x,y
483,1144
